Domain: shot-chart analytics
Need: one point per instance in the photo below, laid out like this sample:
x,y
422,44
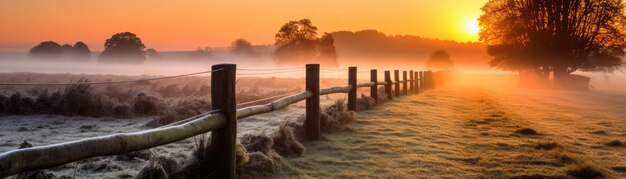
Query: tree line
x,y
296,44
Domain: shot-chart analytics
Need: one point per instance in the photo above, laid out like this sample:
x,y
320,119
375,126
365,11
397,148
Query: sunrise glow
x,y
472,27
312,89
166,25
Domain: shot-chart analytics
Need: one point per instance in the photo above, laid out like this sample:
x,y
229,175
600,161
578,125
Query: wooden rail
x,y
222,123
42,157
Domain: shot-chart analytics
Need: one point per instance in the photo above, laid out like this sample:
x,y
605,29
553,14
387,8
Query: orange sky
x,y
185,25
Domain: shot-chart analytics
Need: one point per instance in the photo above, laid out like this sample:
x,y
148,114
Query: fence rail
x,y
221,121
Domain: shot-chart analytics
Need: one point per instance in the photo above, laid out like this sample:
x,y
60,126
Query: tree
x,y
327,50
152,53
243,47
46,49
200,53
297,44
440,61
66,49
81,51
558,36
123,47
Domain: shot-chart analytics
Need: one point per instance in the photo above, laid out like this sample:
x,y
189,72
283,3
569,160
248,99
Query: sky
x,y
186,25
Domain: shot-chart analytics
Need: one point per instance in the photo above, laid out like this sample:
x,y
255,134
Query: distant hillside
x,y
369,46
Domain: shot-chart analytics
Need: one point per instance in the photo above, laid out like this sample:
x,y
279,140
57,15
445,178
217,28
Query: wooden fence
x,y
222,123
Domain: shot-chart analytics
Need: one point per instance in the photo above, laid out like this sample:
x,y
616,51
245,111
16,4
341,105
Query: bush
x,y
181,109
169,91
118,93
122,110
44,103
18,104
3,106
146,104
77,99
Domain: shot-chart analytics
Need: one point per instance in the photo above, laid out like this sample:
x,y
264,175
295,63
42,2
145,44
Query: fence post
x,y
388,86
417,82
223,98
428,77
412,82
352,92
404,84
397,86
374,88
312,119
422,85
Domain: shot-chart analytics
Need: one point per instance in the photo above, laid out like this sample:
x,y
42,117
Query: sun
x,y
472,27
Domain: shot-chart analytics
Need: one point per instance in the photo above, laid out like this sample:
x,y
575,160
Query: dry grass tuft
x,y
241,155
581,167
25,144
599,132
526,131
262,156
587,171
257,143
88,127
621,169
146,104
535,176
154,169
22,129
335,116
260,161
365,103
547,145
286,142
615,143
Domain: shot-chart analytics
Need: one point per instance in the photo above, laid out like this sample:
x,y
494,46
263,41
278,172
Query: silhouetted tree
x,y
81,51
561,36
327,50
152,53
297,44
47,49
440,61
66,49
200,53
243,47
124,47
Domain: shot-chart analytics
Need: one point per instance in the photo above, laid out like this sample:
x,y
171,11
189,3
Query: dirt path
x,y
471,133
